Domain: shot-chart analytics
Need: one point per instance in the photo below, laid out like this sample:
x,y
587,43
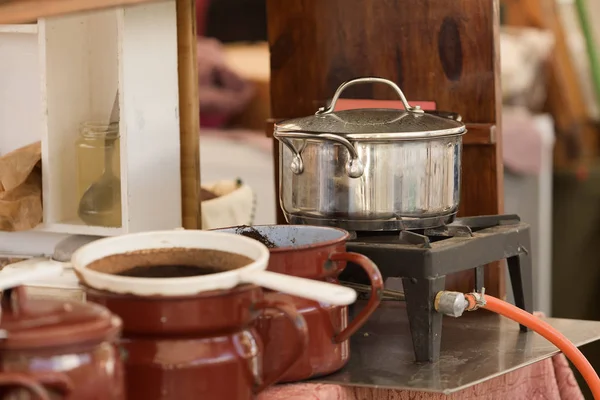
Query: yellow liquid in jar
x,y
101,205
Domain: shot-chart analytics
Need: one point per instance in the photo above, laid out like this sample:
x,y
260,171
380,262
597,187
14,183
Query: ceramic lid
x,y
41,323
373,124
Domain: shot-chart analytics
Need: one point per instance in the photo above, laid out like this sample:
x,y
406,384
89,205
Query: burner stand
x,y
423,260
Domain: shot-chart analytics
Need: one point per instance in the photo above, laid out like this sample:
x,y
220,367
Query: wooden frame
x,y
23,11
181,198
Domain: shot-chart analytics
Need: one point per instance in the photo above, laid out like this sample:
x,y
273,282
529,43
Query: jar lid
x,y
41,323
374,124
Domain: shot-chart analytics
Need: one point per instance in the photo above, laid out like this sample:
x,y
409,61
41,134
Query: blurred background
x,y
551,91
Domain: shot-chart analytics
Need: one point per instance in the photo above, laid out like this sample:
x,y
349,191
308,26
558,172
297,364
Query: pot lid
x,y
29,323
357,124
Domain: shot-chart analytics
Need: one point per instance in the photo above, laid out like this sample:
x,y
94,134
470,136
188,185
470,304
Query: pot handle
x,y
370,79
323,292
354,167
376,292
35,382
25,271
294,318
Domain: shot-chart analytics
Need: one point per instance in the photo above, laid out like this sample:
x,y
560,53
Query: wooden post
x,y
436,50
189,109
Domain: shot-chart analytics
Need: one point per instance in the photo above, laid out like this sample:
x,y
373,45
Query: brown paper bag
x,y
21,188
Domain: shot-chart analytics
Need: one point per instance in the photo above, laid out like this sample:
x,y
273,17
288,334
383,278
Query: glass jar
x,y
99,174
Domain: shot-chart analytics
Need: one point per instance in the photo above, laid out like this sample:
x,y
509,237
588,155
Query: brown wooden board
x,y
24,11
435,50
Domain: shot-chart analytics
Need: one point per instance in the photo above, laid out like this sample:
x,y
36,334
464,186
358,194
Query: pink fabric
x,y
522,141
551,379
223,93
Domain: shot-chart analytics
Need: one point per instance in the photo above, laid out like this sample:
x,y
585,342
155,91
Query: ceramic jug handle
x,y
294,318
35,382
376,292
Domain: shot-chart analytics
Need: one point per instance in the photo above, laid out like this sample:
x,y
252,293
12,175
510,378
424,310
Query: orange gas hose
x,y
547,331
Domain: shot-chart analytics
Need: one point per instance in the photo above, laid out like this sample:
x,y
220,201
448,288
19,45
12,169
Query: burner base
x,y
424,260
398,224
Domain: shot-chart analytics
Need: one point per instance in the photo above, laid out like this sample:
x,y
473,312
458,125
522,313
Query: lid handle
x,y
370,79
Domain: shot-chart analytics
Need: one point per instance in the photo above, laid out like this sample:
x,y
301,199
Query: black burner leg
x,y
479,278
425,323
519,268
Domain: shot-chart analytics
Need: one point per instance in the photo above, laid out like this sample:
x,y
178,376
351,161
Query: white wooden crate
x,y
80,63
19,87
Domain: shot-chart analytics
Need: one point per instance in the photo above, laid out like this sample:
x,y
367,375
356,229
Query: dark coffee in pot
x,y
170,263
169,271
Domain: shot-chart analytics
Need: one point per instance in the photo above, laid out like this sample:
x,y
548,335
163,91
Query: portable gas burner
x,y
424,258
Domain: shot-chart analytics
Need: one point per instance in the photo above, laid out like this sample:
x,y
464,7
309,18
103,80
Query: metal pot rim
x,y
387,136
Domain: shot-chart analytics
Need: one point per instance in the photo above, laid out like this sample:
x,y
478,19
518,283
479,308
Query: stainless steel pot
x,y
370,169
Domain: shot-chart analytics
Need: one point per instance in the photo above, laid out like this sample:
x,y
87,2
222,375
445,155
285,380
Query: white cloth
x,y
234,206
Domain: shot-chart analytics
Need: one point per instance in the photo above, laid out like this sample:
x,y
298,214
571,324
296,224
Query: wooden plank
x,y
435,50
22,11
480,134
429,48
189,117
150,99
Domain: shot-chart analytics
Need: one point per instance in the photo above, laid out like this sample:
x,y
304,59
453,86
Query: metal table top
x,y
475,347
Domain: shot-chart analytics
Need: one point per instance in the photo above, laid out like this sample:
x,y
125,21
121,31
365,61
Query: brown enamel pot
x,y
202,346
317,253
189,301
55,349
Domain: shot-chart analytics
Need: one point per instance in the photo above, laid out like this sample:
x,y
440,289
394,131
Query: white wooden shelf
x,y
77,227
19,28
77,64
18,11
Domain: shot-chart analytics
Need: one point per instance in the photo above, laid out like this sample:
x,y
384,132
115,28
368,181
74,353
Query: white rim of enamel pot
x,y
185,286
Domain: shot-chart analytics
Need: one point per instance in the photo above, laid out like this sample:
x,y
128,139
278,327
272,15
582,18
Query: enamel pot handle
x,y
35,383
322,292
29,270
301,340
376,292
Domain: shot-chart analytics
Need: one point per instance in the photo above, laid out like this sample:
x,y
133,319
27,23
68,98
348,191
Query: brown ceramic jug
x,y
317,253
53,349
200,347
